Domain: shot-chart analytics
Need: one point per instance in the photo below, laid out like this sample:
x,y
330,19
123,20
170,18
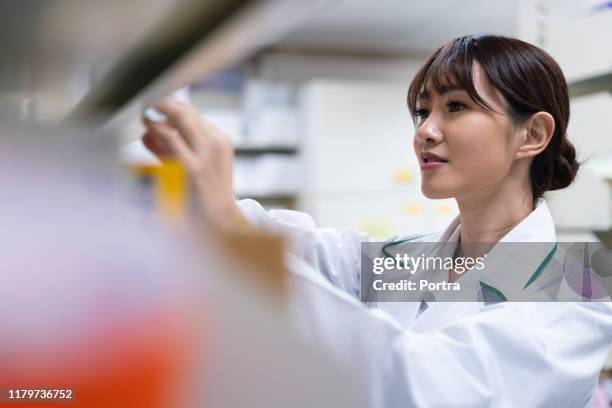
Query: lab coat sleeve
x,y
505,355
336,254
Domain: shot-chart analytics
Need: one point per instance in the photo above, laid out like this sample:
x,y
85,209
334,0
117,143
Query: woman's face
x,y
461,147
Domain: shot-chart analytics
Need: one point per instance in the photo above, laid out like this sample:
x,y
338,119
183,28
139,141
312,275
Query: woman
x,y
491,115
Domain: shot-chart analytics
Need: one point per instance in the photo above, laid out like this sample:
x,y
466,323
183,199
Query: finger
x,y
150,123
146,121
176,143
215,140
210,128
185,118
156,144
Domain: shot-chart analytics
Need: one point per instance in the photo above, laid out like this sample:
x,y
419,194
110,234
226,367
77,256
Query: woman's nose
x,y
429,132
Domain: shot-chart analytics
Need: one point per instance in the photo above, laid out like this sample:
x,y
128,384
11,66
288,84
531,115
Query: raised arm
x,y
207,154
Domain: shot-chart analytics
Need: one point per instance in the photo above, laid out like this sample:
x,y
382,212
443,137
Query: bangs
x,y
450,67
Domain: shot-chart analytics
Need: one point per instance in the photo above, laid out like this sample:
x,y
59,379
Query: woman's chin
x,y
435,193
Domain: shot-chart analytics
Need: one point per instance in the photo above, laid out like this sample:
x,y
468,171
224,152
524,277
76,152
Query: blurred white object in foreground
x,y
129,313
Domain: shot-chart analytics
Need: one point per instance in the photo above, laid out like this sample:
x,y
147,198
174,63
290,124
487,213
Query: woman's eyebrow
x,y
426,95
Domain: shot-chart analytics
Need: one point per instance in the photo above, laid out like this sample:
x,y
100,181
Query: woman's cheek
x,y
482,165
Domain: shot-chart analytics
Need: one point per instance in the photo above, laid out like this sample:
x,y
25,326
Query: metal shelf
x,y
196,39
182,30
284,200
246,150
591,85
271,196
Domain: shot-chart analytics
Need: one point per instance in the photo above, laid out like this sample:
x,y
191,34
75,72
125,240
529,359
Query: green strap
x,y
483,285
390,244
538,271
496,291
532,279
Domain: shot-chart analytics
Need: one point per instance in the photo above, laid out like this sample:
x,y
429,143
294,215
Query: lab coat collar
x,y
538,227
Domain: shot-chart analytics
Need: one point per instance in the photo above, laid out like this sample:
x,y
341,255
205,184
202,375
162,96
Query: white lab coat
x,y
452,354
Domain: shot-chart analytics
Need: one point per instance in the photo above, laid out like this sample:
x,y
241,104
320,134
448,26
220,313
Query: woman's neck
x,y
487,218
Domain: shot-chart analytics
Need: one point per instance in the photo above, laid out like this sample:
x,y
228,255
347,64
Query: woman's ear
x,y
539,129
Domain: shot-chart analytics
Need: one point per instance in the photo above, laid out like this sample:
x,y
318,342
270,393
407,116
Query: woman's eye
x,y
455,106
421,114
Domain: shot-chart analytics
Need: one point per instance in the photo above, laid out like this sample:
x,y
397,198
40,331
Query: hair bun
x,y
565,167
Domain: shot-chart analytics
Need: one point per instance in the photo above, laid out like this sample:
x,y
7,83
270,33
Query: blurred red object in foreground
x,y
138,364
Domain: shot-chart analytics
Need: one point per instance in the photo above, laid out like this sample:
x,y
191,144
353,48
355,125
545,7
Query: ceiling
x,y
400,26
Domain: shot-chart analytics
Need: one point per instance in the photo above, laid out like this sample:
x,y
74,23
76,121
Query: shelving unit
x,y
584,87
260,116
274,195
274,199
562,29
591,85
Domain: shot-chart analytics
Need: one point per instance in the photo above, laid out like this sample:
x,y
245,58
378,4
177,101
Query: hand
x,y
207,154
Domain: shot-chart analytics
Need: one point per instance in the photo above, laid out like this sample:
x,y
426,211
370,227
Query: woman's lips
x,y
430,165
431,161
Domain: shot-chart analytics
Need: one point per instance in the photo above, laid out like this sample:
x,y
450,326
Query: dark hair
x,y
529,79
